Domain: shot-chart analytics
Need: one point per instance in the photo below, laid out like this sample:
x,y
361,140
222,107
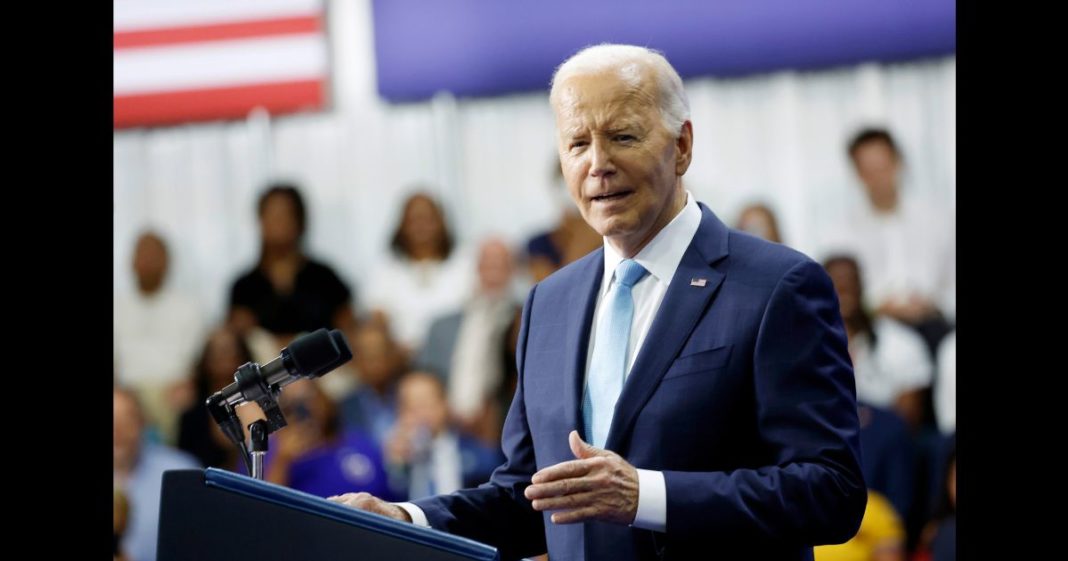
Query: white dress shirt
x,y
661,257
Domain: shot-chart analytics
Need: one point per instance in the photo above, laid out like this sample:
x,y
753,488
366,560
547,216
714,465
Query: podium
x,y
213,515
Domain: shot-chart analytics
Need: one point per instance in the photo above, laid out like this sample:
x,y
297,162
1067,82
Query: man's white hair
x,y
628,61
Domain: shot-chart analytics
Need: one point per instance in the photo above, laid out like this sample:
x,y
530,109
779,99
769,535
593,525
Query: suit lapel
x,y
579,314
683,305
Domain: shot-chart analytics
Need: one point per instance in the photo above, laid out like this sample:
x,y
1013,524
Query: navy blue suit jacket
x,y
742,395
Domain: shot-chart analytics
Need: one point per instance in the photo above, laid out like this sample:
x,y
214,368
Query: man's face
x,y
877,167
620,164
494,267
421,400
150,262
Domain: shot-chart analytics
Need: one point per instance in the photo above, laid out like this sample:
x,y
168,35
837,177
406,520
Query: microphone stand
x,y
250,379
309,356
258,430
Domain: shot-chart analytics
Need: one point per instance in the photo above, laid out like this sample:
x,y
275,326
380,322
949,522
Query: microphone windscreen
x,y
342,346
319,352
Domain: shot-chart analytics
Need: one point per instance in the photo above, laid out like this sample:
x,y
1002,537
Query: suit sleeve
x,y
496,512
813,491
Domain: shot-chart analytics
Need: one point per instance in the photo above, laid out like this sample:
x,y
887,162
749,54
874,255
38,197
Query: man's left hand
x,y
598,485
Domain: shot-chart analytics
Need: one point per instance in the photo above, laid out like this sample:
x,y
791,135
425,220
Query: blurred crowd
x,y
419,409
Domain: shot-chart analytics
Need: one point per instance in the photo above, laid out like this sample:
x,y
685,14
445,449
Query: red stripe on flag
x,y
216,32
215,103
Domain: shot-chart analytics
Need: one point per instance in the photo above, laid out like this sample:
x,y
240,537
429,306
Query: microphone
x,y
309,356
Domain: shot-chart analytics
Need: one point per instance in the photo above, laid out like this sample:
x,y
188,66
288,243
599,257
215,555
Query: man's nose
x,y
601,164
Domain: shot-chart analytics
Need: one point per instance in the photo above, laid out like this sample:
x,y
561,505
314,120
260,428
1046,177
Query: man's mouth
x,y
613,196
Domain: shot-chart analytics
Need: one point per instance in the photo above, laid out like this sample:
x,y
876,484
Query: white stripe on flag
x,y
221,63
131,15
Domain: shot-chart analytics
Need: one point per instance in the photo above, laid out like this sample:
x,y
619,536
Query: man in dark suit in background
x,y
706,370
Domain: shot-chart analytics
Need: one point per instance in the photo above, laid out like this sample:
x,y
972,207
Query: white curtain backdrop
x,y
778,138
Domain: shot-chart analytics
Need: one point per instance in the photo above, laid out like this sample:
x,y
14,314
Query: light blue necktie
x,y
608,363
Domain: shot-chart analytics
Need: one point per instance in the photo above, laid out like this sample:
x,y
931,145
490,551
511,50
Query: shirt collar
x,y
662,255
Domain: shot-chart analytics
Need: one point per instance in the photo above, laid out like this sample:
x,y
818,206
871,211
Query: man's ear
x,y
684,149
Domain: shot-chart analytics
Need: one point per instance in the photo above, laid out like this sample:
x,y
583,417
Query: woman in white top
x,y
424,277
891,362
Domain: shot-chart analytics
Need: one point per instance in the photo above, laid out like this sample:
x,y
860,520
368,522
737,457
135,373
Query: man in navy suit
x,y
686,391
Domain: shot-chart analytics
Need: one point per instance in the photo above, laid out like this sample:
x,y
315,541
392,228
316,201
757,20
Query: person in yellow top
x,y
881,536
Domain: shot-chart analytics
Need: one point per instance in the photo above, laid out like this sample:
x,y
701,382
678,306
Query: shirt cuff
x,y
652,501
417,514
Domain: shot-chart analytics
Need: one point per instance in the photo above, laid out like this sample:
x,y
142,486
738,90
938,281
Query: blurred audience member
x,y
157,330
287,292
138,473
904,244
757,219
315,455
570,239
890,362
198,434
889,460
881,536
939,541
945,387
467,348
423,277
379,363
424,451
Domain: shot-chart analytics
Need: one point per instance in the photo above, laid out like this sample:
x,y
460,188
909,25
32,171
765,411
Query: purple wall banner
x,y
492,47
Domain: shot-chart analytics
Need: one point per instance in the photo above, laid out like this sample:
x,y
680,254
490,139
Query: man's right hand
x,y
371,503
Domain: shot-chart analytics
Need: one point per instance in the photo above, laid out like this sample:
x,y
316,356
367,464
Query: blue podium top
x,y
311,504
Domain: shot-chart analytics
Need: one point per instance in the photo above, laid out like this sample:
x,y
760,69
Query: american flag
x,y
192,60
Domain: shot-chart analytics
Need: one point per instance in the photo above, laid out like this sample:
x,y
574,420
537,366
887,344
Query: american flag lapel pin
x,y
698,282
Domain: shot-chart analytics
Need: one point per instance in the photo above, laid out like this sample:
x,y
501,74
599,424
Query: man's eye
x,y
578,144
625,138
